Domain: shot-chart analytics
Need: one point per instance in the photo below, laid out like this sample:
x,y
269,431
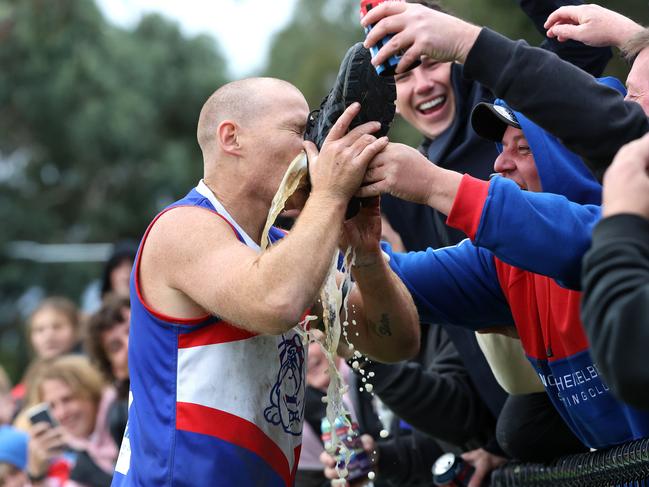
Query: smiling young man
x,y
425,97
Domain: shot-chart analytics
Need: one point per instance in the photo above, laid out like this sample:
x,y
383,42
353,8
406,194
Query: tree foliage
x,y
97,129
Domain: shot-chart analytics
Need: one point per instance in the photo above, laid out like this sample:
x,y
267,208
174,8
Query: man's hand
x,y
591,24
418,30
406,174
400,171
339,167
483,462
363,232
626,182
329,461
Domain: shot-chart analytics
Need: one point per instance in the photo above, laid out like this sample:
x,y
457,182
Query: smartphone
x,y
40,413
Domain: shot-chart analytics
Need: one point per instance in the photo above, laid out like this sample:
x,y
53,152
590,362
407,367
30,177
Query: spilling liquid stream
x,y
331,297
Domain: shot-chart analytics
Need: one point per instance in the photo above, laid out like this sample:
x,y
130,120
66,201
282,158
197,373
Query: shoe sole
x,y
357,89
362,83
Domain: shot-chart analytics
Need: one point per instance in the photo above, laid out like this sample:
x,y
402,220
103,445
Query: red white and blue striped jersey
x,y
211,404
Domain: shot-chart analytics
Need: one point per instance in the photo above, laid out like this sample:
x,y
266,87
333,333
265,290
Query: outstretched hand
x,y
626,182
400,171
591,24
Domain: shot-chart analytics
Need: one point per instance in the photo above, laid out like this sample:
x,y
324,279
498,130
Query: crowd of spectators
x,y
523,230
554,283
62,424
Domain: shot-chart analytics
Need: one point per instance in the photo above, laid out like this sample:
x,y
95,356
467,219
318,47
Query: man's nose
x,y
423,82
503,163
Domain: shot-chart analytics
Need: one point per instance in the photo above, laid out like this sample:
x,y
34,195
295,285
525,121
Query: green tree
x,y
97,130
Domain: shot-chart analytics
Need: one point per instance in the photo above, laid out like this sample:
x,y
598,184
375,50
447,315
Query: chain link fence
x,y
625,465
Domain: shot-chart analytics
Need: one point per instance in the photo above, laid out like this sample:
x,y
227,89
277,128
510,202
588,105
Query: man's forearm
x,y
299,263
593,60
390,324
443,189
594,123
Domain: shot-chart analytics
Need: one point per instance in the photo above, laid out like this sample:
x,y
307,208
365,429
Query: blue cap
x,y
13,447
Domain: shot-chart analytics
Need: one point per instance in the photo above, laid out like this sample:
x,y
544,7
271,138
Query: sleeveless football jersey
x,y
211,404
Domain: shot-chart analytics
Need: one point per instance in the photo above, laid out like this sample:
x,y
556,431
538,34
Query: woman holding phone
x,y
69,440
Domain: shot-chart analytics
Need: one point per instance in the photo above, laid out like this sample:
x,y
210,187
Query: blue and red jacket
x,y
522,246
211,404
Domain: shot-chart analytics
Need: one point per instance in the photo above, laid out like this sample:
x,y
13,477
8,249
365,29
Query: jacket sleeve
x,y
434,394
407,459
595,121
544,233
593,60
615,305
453,285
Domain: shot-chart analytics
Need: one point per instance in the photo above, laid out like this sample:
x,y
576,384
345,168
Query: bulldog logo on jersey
x,y
287,396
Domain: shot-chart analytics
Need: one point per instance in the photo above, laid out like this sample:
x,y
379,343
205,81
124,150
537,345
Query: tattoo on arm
x,y
382,329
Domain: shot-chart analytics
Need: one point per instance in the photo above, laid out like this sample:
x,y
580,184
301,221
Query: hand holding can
x,y
388,67
350,454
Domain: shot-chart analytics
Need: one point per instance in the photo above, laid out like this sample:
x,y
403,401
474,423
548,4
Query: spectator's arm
x,y
595,121
591,59
592,25
454,285
521,228
436,396
616,277
615,305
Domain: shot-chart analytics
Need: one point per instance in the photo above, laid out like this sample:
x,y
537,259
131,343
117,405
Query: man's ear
x,y
227,134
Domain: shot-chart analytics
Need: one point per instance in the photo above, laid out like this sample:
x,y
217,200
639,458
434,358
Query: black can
x,y
451,471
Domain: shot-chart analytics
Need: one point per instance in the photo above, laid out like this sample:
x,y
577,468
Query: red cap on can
x,y
367,5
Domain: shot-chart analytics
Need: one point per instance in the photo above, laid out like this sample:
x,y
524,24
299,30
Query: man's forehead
x,y
289,108
513,134
639,73
292,99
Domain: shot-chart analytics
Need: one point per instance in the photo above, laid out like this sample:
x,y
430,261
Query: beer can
x,y
357,461
388,67
451,471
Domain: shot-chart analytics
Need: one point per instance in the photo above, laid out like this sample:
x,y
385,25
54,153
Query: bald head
x,y
242,102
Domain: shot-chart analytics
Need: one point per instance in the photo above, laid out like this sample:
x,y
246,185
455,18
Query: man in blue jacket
x,y
523,242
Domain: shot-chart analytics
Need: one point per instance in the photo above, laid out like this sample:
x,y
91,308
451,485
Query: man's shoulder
x,y
181,224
